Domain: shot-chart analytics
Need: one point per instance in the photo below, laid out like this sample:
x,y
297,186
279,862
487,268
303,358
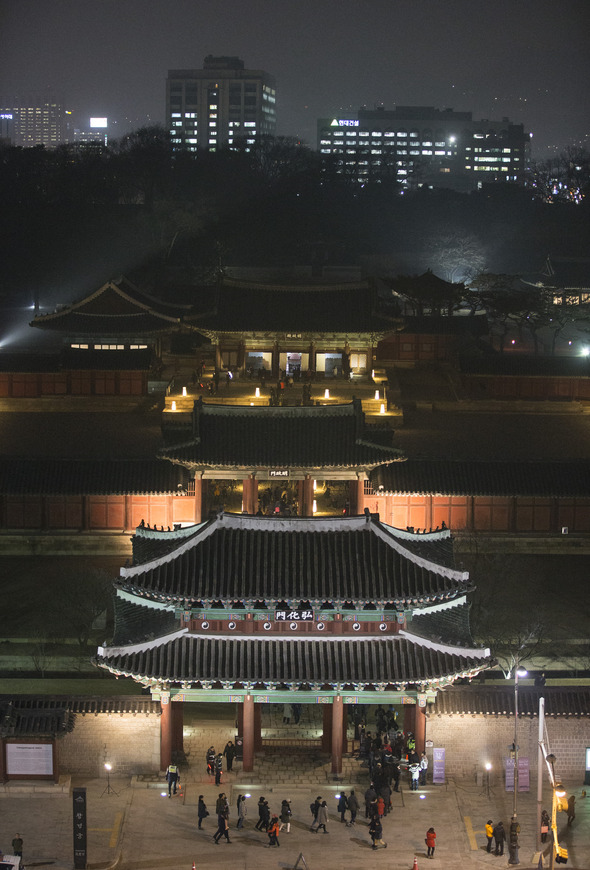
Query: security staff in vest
x,y
173,777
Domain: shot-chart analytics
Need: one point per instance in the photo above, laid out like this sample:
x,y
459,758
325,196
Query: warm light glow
x,y
315,485
326,394
488,766
382,409
173,406
521,672
314,506
377,396
372,373
257,393
108,766
184,391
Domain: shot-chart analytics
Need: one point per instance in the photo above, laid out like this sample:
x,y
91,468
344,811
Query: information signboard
x,y
80,833
29,759
438,766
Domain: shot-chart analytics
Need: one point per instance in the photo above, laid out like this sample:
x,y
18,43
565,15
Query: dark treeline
x,y
73,217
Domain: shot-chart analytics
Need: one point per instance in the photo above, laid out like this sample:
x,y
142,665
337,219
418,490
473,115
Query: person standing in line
x,y
202,811
229,753
218,768
322,817
545,822
499,838
242,812
370,796
423,768
315,808
273,832
430,842
286,714
342,806
222,828
17,848
210,760
353,806
489,834
376,832
285,816
173,777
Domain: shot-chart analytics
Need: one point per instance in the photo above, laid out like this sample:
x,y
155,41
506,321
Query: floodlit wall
x,y
129,742
472,740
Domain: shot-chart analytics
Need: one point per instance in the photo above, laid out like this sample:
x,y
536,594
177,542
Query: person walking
x,y
489,834
229,753
242,812
322,817
222,828
353,806
315,808
370,796
218,768
499,838
202,811
430,842
545,822
376,832
342,806
285,816
259,823
273,832
221,803
173,777
571,810
17,848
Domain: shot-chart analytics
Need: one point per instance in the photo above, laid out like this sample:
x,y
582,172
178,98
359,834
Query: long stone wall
x,y
131,743
471,740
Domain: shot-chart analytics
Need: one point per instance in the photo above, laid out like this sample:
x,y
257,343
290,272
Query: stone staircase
x,y
291,754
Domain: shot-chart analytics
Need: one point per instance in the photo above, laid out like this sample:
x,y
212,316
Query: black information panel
x,y
80,839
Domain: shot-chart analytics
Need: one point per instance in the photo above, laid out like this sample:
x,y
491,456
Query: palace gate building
x,y
251,610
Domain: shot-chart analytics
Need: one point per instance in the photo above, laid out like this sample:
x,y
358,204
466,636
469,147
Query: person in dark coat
x,y
571,810
210,760
545,825
370,798
202,811
376,832
499,838
229,753
314,807
342,806
353,806
218,768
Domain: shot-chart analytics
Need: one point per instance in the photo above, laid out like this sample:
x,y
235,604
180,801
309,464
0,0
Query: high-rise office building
x,y
212,107
39,119
420,146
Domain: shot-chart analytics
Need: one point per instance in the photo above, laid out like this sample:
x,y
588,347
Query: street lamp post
x,y
515,827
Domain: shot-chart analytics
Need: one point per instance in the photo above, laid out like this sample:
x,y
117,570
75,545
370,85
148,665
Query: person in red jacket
x,y
430,842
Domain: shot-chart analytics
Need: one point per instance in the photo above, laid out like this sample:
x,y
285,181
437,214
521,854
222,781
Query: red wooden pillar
x,y
357,497
250,495
166,731
337,733
327,728
177,726
307,505
420,728
257,727
198,499
247,731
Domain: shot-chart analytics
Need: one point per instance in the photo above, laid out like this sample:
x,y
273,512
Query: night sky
x,y
525,59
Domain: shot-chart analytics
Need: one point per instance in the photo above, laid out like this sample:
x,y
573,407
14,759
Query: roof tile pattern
x,y
257,559
497,701
199,659
499,478
255,437
87,477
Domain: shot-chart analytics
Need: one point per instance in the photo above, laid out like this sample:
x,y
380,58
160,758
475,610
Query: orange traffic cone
x,y
194,868
415,867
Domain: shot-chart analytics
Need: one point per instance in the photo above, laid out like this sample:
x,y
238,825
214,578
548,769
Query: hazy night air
x,y
525,60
